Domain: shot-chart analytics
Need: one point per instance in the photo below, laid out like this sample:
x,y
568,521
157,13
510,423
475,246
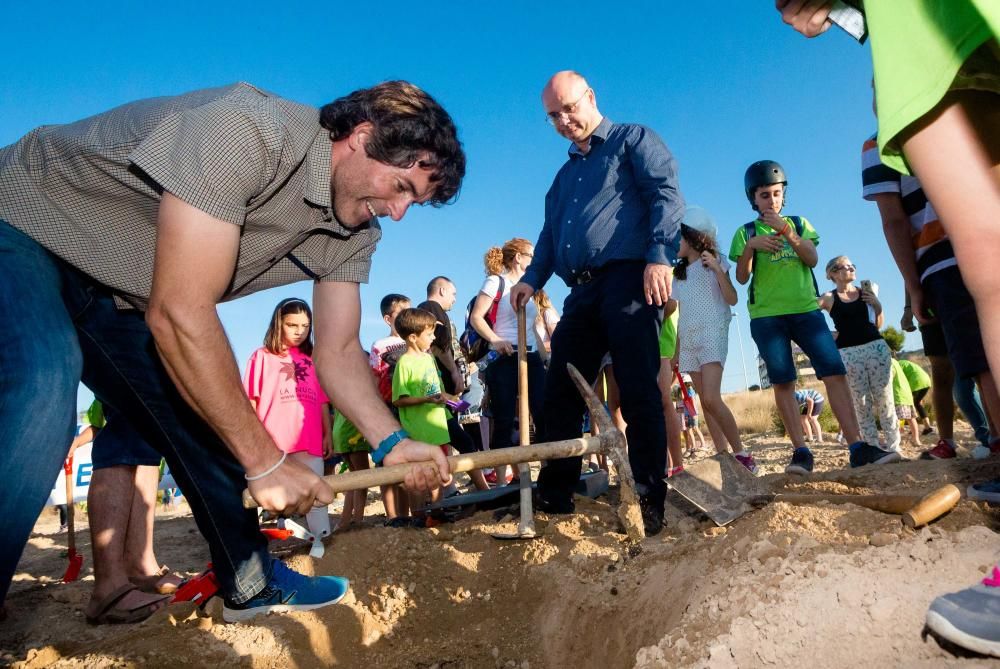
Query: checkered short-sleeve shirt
x,y
89,191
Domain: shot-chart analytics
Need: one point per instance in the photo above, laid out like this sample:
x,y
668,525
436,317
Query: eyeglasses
x,y
553,117
527,255
843,268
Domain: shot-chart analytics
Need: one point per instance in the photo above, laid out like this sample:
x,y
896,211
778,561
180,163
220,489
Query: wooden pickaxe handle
x,y
373,478
916,510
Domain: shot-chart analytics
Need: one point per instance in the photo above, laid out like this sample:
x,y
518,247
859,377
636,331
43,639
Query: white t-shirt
x,y
702,307
506,325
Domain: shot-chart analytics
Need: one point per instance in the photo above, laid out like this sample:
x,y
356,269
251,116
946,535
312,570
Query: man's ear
x,y
359,135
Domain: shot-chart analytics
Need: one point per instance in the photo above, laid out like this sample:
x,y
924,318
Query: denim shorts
x,y
774,336
954,307
118,443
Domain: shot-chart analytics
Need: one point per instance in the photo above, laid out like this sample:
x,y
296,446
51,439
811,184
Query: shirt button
x,y
567,246
574,199
579,178
569,221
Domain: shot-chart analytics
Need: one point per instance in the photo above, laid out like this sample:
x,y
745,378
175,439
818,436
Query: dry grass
x,y
754,411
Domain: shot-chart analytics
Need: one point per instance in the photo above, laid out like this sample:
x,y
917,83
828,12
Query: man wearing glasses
x,y
611,230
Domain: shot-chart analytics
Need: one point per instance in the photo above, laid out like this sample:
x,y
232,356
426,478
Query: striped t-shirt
x,y
933,248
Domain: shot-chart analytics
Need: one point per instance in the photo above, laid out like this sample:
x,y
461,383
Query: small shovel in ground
x,y
725,490
526,527
75,559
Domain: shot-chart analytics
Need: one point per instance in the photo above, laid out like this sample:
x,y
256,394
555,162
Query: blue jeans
x,y
968,400
501,379
774,336
608,314
60,328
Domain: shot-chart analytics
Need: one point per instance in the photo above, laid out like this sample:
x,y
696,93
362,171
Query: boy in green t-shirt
x,y
920,385
416,383
776,254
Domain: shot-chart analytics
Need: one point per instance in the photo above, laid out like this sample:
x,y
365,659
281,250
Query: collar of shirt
x,y
600,134
319,190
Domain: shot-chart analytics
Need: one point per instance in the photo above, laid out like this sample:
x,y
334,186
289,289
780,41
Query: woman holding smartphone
x,y
857,315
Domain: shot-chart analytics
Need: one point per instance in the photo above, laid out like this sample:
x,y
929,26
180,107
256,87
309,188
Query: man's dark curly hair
x,y
410,128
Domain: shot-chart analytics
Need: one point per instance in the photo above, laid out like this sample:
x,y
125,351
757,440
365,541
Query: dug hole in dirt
x,y
820,586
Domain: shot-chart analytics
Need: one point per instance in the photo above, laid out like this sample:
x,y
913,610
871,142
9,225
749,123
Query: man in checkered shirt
x,y
119,235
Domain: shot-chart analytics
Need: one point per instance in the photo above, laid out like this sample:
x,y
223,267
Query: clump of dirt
x,y
829,585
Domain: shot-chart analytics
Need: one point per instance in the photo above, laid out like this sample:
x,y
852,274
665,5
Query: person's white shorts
x,y
702,347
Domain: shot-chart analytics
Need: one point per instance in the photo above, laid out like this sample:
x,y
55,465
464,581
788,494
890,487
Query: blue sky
x,y
724,84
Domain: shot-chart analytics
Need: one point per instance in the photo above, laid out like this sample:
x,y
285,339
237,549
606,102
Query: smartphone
x,y
849,19
866,284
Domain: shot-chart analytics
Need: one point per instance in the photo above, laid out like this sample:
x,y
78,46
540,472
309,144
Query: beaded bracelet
x,y
270,471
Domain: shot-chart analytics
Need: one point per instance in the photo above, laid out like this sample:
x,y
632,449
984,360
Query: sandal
x,y
163,582
112,611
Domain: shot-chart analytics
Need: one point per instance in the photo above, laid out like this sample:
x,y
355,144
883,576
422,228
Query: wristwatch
x,y
387,444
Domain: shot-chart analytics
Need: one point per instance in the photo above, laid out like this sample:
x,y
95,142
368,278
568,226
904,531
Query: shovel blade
x,y
720,486
73,569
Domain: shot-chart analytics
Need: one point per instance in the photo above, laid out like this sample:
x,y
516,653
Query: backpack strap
x,y
751,231
491,315
799,229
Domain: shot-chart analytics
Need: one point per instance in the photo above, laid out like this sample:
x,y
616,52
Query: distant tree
x,y
754,388
894,338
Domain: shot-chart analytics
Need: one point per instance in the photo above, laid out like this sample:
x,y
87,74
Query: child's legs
x,y
954,151
772,334
806,426
318,519
710,381
614,398
356,462
664,379
942,389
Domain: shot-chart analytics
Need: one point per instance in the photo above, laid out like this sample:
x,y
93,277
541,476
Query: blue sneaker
x,y
863,453
802,462
288,591
987,491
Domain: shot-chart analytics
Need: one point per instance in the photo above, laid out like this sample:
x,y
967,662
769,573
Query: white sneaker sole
x,y
242,615
797,469
944,629
890,456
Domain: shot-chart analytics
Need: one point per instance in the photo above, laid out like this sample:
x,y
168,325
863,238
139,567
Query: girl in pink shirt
x,y
281,383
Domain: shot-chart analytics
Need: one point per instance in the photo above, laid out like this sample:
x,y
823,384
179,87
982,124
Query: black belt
x,y
586,276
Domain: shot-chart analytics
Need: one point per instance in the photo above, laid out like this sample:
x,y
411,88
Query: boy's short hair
x,y
391,301
414,321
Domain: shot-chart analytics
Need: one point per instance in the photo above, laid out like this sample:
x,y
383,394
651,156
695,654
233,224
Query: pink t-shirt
x,y
289,399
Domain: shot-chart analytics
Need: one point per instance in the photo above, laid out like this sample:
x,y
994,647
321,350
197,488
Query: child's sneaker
x,y
944,450
746,459
981,452
802,462
987,491
863,453
970,618
288,590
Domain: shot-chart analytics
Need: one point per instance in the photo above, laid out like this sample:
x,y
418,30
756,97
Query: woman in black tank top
x,y
857,316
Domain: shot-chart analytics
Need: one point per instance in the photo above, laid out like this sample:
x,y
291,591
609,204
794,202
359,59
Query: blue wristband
x,y
387,444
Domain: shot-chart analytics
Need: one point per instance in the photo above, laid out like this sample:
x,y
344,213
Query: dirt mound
x,y
828,585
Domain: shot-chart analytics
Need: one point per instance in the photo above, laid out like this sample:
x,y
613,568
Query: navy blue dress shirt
x,y
619,201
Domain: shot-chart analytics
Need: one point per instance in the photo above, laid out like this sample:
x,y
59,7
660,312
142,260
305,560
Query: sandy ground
x,y
784,586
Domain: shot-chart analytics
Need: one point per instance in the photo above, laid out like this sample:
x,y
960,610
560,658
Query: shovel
x,y
725,490
75,559
526,527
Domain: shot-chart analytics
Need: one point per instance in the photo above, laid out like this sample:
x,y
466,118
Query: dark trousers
x,y
501,379
75,332
608,314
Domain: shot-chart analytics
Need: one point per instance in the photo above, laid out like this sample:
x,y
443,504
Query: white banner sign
x,y
83,469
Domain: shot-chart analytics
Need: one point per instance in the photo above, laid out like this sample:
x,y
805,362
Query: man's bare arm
x,y
195,259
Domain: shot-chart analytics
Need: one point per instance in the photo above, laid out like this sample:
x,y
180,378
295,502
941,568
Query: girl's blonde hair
x,y
272,338
833,263
542,301
498,258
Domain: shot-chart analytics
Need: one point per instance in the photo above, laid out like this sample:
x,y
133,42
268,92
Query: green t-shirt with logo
x,y
95,415
782,283
417,375
668,334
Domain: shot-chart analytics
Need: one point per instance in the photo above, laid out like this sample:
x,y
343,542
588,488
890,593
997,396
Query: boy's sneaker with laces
x,y
746,459
943,450
863,453
981,452
970,618
802,461
288,590
987,491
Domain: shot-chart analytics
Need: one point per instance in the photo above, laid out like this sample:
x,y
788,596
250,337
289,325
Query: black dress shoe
x,y
652,515
554,506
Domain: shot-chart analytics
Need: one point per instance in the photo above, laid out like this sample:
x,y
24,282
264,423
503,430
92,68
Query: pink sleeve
x,y
254,374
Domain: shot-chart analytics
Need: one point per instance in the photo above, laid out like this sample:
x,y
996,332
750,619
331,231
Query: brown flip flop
x,y
163,582
110,611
